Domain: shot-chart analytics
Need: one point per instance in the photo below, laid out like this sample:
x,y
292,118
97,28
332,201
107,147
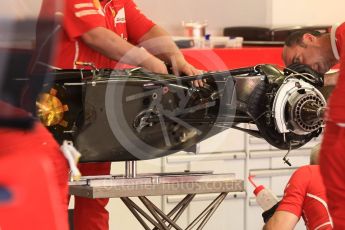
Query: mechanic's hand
x,y
155,65
182,66
315,78
266,215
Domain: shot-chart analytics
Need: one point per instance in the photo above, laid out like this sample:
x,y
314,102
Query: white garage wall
x,y
223,13
218,13
307,12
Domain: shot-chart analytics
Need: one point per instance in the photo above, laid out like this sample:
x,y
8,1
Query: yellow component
x,y
50,110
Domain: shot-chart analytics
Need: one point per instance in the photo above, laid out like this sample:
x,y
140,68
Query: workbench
x,y
189,184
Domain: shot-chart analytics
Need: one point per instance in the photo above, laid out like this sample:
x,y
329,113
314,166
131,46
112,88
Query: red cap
x,y
258,189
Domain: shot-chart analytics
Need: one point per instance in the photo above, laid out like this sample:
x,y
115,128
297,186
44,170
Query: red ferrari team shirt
x,y
121,16
305,195
336,103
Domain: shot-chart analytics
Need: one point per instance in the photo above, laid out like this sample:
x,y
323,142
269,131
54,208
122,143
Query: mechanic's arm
x,y
162,45
281,220
114,47
158,42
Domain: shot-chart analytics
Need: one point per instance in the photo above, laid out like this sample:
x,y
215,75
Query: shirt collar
x,y
334,41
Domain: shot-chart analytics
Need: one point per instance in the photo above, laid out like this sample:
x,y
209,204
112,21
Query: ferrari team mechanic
x,y
304,195
108,34
321,52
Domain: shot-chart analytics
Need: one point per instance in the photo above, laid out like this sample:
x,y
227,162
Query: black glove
x,y
315,78
266,215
